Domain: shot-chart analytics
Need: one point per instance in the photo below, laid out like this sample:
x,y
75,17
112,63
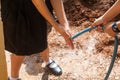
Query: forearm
x,y
112,12
42,8
59,11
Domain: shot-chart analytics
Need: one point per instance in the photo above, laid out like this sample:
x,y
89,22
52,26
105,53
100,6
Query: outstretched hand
x,y
67,36
99,23
107,26
107,29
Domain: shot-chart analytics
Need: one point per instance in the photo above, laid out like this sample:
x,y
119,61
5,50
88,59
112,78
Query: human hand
x,y
67,29
99,23
67,36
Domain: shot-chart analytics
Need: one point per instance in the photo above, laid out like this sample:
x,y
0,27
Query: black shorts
x,y
25,29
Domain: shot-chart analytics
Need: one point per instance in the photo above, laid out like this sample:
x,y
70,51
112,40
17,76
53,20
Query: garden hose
x,y
113,58
114,53
83,31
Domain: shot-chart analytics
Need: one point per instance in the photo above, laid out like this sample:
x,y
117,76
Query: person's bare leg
x,y
45,55
16,62
51,66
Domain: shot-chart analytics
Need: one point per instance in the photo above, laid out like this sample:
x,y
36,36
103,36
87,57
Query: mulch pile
x,y
79,11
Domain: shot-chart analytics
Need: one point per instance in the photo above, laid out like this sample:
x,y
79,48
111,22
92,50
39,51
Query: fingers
x,y
68,32
100,28
67,36
94,24
69,40
98,21
70,43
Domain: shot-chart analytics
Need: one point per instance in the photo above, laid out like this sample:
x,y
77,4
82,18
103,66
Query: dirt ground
x,y
93,51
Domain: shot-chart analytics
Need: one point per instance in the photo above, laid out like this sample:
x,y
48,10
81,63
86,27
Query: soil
x,y
93,50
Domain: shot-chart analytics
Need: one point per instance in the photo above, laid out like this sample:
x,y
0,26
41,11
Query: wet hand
x,y
99,23
67,36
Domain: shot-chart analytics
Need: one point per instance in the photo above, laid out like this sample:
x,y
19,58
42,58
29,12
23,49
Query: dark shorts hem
x,y
20,53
